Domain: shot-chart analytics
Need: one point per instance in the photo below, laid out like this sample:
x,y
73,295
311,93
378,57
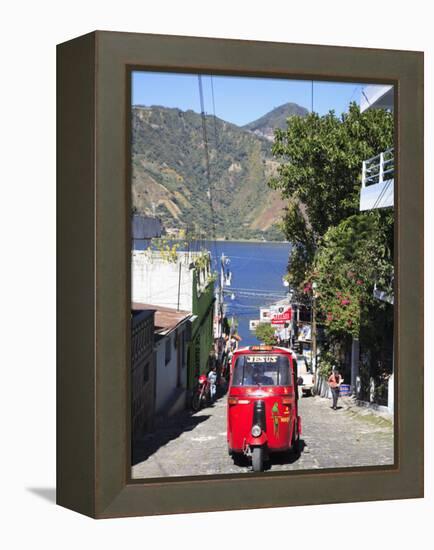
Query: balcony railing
x,y
378,169
378,181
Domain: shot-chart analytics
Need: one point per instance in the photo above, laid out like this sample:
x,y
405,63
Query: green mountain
x,y
276,118
169,175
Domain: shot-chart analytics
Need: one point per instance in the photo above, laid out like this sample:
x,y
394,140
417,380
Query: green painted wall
x,y
202,331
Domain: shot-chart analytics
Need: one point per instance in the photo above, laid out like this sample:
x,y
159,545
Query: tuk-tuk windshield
x,y
262,370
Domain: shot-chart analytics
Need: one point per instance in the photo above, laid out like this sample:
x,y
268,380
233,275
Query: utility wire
x,y
271,291
381,195
311,98
383,191
216,148
255,258
213,110
354,91
207,163
365,96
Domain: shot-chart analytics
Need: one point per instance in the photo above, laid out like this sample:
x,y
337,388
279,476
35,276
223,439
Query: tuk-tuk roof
x,y
248,349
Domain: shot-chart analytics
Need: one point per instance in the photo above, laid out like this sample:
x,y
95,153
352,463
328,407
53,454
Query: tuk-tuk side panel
x,y
279,423
239,417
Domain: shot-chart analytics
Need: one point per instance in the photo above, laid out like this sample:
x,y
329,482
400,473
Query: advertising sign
x,y
265,314
253,323
281,314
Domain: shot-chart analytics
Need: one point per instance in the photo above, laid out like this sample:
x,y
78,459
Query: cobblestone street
x,y
195,444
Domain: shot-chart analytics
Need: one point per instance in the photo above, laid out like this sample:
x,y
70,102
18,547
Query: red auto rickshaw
x,y
262,414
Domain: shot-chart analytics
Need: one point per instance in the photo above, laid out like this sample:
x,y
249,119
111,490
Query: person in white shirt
x,y
212,379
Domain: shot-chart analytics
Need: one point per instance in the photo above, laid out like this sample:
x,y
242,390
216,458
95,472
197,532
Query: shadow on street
x,y
286,457
279,458
172,429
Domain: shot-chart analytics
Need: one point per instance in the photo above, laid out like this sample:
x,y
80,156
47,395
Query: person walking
x,y
335,380
212,379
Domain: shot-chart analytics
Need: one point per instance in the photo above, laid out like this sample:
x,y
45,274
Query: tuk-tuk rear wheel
x,y
295,444
258,459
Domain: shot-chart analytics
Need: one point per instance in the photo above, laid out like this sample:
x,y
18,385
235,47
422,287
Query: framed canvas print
x,y
240,274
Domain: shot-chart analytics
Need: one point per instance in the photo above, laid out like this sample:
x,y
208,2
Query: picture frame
x,y
94,235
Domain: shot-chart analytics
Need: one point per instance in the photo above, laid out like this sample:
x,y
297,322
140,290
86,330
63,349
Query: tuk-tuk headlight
x,y
256,430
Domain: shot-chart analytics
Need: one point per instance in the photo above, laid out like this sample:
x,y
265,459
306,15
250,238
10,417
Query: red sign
x,y
283,315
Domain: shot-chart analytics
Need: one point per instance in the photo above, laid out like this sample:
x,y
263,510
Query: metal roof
x,y
166,318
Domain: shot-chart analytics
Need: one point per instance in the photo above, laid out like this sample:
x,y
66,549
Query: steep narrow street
x,y
195,444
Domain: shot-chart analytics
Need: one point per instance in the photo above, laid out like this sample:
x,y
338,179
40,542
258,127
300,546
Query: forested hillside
x,y
170,179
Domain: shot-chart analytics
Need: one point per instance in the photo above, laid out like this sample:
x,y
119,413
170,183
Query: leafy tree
x,y
352,257
264,332
320,173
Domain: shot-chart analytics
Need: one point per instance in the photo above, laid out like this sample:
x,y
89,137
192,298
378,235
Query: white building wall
x,y
376,96
167,392
377,195
158,282
380,195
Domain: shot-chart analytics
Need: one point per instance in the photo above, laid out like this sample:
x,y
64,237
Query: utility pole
x,y
179,284
313,329
222,282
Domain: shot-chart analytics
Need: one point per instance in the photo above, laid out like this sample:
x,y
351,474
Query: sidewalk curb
x,y
350,405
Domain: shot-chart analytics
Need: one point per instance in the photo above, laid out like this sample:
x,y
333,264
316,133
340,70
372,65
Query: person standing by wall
x,y
335,380
212,379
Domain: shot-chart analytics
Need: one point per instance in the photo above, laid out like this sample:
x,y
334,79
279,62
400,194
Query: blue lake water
x,y
256,268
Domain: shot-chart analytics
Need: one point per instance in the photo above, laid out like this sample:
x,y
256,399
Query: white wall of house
x,y
168,393
377,195
157,281
380,195
164,283
376,96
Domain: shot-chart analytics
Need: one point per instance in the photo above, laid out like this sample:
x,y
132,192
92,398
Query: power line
x,y
381,194
366,97
216,148
311,97
207,162
256,259
213,110
271,291
383,190
354,91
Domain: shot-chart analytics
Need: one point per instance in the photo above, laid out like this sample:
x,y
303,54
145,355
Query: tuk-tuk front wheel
x,y
258,455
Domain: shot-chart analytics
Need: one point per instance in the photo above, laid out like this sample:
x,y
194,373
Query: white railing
x,y
378,169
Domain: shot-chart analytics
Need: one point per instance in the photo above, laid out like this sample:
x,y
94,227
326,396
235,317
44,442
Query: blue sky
x,y
239,99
